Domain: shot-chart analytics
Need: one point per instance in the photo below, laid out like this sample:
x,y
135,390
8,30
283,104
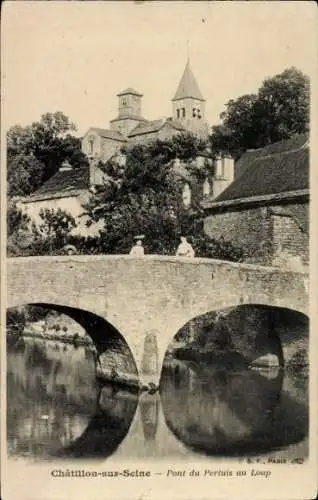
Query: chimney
x,y
65,167
218,168
228,163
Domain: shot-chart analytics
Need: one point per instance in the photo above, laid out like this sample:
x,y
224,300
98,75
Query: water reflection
x,y
108,427
222,412
149,414
56,409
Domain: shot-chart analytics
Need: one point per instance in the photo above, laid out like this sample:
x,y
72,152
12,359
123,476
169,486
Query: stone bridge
x,y
128,298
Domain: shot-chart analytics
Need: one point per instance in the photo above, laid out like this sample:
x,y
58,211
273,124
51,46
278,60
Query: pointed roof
x,y
188,86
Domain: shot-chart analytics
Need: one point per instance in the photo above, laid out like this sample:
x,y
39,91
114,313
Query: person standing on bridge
x,y
137,250
185,249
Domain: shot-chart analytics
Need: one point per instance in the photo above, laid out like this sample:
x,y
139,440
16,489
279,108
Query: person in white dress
x,y
137,250
185,249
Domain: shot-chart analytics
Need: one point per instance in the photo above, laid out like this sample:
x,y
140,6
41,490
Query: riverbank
x,y
65,339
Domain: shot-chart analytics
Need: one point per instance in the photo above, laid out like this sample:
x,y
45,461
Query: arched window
x,y
90,146
183,112
186,195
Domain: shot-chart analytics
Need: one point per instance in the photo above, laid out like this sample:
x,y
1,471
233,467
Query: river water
x,y
57,410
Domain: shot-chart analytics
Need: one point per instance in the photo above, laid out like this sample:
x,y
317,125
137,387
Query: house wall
x,y
73,205
273,235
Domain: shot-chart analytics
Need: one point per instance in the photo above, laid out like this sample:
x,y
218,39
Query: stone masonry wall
x,y
265,233
249,229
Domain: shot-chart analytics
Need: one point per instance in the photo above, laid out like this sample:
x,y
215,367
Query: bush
x,y
299,361
16,321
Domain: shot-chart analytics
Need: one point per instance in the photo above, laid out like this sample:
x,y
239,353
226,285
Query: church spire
x,y
188,86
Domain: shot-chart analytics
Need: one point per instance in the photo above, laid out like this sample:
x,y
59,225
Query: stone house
x,y
69,189
265,210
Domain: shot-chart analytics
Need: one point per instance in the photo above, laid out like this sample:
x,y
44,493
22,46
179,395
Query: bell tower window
x,y
183,112
196,113
178,113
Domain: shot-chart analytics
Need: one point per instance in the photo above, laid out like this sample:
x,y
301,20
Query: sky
x,y
76,56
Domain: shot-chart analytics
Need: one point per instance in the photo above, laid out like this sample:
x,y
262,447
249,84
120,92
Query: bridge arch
x,y
111,346
256,323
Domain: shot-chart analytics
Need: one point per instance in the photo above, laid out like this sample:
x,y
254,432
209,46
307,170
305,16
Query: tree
x,y
53,232
25,173
18,230
15,218
48,237
145,197
279,110
35,153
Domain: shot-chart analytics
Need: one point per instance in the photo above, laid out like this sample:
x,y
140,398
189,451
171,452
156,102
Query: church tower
x,y
129,112
189,105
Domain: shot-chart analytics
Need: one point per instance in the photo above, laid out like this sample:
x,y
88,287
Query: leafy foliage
x,y
48,237
145,197
15,321
15,218
34,153
53,232
18,231
279,110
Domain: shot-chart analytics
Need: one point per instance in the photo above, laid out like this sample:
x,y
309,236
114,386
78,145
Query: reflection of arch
x,y
108,427
242,413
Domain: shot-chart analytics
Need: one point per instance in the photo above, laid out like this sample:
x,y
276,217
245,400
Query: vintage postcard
x,y
158,264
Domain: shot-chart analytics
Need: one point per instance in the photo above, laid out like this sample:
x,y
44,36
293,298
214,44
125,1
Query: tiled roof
x,y
108,134
128,117
188,86
62,184
154,126
295,142
277,171
130,90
